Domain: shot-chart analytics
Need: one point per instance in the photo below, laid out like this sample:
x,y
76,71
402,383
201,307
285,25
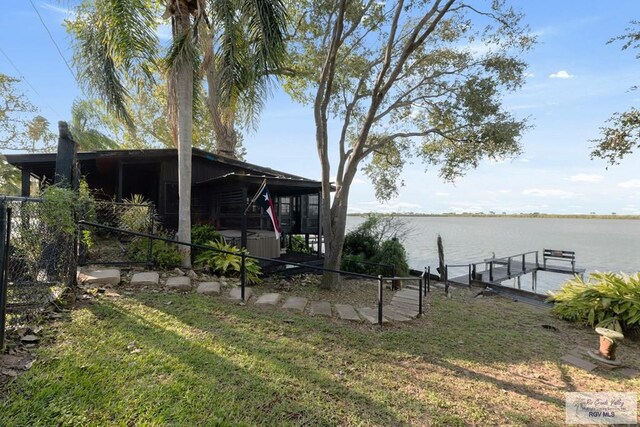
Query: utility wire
x,y
53,40
27,82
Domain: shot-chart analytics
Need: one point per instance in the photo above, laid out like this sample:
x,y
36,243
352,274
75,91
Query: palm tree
x,y
85,127
116,46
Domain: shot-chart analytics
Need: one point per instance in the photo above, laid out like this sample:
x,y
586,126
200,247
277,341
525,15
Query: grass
x,y
168,359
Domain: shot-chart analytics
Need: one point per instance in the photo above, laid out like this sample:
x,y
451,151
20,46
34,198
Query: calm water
x,y
604,245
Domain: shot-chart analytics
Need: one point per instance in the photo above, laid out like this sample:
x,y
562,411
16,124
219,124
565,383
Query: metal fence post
x,y
429,279
420,296
524,268
380,286
4,238
243,275
150,253
470,276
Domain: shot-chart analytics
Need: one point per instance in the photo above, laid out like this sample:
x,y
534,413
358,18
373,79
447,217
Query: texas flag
x,y
266,202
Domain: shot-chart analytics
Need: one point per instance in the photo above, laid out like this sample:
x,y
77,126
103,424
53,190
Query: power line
x,y
53,40
27,82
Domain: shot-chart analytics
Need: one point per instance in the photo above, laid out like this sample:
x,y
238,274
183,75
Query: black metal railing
x,y
423,279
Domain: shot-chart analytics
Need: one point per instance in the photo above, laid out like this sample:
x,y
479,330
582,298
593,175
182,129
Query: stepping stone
x,y
320,308
405,306
145,278
390,313
580,363
405,301
269,299
295,304
404,311
371,315
235,293
100,277
208,288
179,283
347,312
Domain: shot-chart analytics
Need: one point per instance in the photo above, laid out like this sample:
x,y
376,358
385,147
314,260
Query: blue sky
x,y
576,81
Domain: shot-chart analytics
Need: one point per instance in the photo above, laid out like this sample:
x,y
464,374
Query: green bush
x,y
392,253
607,300
203,233
355,264
299,245
138,215
200,235
374,242
163,254
359,243
229,263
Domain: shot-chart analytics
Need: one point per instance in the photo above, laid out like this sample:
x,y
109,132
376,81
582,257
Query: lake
x,y
599,244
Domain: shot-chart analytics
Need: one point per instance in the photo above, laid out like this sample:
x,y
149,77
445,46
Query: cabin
x,y
221,190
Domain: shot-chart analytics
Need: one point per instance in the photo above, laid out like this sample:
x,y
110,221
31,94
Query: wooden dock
x,y
494,271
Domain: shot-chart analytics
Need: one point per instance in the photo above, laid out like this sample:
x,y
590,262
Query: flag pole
x,y
264,184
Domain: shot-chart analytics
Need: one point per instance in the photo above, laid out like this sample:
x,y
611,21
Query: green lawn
x,y
157,359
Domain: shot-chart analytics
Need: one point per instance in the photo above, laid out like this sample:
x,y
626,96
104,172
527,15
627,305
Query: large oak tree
x,y
394,81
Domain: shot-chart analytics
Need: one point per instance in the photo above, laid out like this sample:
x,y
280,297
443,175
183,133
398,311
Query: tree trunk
x,y
335,220
184,90
226,135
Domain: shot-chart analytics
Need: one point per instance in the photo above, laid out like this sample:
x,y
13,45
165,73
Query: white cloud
x,y
562,74
359,181
632,183
441,194
547,192
525,160
529,75
584,177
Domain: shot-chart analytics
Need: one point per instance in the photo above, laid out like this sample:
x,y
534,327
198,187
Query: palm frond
x,y
248,43
113,41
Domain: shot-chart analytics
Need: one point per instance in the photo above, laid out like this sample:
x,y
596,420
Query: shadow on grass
x,y
258,381
475,341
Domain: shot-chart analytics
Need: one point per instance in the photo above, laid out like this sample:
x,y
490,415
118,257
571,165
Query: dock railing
x,y
515,264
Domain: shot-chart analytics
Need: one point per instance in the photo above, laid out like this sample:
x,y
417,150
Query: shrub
x,y
203,233
299,245
374,241
607,300
358,242
200,235
392,253
138,215
355,264
163,254
229,263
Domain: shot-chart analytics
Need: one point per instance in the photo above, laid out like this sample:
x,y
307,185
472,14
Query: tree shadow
x,y
253,375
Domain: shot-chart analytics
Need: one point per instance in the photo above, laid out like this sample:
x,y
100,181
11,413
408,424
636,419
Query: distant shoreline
x,y
523,215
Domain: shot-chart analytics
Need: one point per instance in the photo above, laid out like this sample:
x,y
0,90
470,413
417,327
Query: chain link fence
x,y
101,246
39,258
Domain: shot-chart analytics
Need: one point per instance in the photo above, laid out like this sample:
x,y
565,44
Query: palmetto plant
x,y
607,299
226,259
236,42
